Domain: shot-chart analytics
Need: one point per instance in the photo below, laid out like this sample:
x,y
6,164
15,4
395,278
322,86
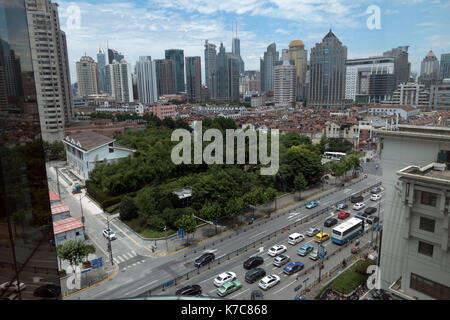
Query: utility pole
x,y
109,244
57,181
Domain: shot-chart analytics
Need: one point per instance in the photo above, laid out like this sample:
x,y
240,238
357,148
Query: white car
x,y
269,281
276,250
224,278
109,234
359,206
375,197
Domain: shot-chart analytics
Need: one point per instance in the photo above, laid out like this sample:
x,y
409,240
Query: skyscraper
x,y
146,80
193,79
87,76
445,66
327,72
177,55
114,55
429,70
118,80
54,93
299,55
210,65
285,84
236,49
402,67
226,77
271,57
165,76
101,62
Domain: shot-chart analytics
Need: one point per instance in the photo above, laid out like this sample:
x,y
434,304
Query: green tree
x,y
74,251
188,224
155,222
128,209
300,183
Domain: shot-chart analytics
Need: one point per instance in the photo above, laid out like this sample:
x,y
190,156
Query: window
x,y
426,224
429,199
429,287
425,248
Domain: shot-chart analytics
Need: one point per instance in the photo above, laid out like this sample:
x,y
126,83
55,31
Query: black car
x,y
361,216
257,295
193,290
253,262
204,259
356,198
48,291
254,275
370,210
330,222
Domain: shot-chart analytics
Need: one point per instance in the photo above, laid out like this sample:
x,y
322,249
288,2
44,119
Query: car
x,y
376,190
229,287
312,204
314,255
305,249
342,206
281,260
253,262
269,281
370,210
191,290
293,267
343,215
224,277
359,206
372,220
254,275
276,250
204,259
256,295
48,291
375,197
356,198
109,234
322,237
330,222
295,238
361,216
312,232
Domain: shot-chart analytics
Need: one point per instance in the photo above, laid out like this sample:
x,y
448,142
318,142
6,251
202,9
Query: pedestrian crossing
x,y
124,257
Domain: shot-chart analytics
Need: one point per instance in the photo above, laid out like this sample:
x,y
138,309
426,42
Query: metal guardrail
x,y
218,261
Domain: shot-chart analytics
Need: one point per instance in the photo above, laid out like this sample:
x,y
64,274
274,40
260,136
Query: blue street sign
x,y
321,256
298,288
94,264
100,262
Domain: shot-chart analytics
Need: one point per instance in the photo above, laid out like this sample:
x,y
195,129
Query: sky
x,y
148,27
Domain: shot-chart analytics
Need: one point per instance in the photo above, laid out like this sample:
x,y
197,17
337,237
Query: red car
x,y
343,215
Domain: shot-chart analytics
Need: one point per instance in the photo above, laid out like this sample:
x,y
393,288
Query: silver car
x,y
281,260
312,232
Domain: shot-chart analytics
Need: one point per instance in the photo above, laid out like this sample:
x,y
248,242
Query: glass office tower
x,y
27,254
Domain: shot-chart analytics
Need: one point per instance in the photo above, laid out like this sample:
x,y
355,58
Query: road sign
x,y
321,256
298,288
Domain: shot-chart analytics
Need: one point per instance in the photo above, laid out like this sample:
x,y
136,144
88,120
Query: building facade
x,y
429,70
411,94
177,55
226,78
236,50
402,67
440,95
210,66
445,66
146,80
87,76
114,55
118,80
193,79
299,55
165,76
101,63
403,112
271,58
285,84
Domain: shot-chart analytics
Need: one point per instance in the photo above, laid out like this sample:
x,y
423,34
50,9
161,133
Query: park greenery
x,y
141,186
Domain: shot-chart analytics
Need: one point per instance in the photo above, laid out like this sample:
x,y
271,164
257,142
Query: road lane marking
x,y
285,287
145,285
257,234
130,255
239,293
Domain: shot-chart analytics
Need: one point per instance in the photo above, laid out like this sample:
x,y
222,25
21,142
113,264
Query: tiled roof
x,y
88,140
53,196
59,208
66,225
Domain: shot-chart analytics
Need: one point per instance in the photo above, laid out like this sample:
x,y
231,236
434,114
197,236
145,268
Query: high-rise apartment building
x,y
445,66
210,65
177,55
146,80
87,76
193,79
415,247
271,58
402,67
51,68
101,63
118,80
165,76
429,70
299,55
285,84
327,72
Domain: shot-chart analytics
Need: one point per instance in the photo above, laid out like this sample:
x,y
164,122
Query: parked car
x,y
281,260
191,290
229,287
312,232
312,204
204,259
223,278
253,262
315,254
361,216
109,234
375,197
269,281
293,267
254,275
330,222
305,249
376,190
322,237
256,295
343,215
342,206
370,210
48,291
295,238
356,198
359,206
372,220
276,250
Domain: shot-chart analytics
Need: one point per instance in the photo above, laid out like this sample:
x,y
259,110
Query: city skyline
x,y
145,23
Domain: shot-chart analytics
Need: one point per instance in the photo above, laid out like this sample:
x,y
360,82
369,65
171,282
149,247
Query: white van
x,y
295,238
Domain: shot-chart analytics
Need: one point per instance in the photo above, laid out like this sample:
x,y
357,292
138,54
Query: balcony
x,y
396,290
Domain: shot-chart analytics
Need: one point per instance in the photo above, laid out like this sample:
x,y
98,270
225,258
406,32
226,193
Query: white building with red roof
x,y
68,229
60,211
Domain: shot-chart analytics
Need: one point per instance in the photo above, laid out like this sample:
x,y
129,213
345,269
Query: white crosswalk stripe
x,y
130,255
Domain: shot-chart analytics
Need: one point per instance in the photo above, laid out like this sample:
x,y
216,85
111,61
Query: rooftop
x,y
419,132
66,225
53,196
88,140
59,208
433,172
